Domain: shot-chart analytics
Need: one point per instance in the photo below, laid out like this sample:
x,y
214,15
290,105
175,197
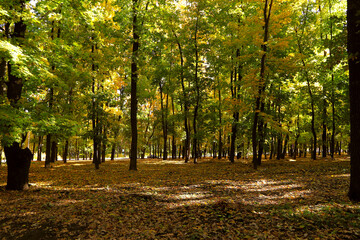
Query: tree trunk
x,y
262,86
235,93
103,152
48,151
279,147
66,150
134,80
220,128
40,148
113,151
164,113
285,145
197,88
53,151
324,134
353,17
18,162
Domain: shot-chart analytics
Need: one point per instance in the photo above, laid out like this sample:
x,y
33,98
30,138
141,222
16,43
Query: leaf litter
x,y
213,199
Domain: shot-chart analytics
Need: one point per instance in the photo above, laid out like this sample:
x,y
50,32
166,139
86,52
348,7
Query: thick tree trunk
x,y
353,17
18,162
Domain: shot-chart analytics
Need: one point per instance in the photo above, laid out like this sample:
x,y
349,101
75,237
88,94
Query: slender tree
x,y
134,80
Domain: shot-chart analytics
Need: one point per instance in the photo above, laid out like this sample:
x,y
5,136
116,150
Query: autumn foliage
x,y
213,199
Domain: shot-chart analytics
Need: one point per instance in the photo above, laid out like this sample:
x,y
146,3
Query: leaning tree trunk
x,y
353,16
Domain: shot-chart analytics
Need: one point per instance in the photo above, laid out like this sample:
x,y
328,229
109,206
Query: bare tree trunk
x,y
353,18
261,88
134,80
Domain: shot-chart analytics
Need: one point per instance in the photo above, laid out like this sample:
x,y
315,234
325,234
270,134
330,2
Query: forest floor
x,y
213,199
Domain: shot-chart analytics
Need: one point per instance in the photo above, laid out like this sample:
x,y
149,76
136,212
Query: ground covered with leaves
x,y
213,199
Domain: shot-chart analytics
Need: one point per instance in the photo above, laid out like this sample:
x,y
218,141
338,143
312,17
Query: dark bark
x,y
113,151
271,148
15,83
332,143
49,137
186,149
103,152
235,93
164,121
197,88
40,145
53,151
173,142
285,146
262,132
324,134
279,147
134,80
262,86
48,151
353,18
18,162
66,150
220,128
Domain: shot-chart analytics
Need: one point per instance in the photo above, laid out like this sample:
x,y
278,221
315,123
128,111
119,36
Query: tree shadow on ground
x,y
208,201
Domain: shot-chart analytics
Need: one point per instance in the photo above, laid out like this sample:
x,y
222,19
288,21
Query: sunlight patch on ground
x,y
262,185
42,184
190,203
311,208
274,199
164,162
66,202
270,188
190,195
339,175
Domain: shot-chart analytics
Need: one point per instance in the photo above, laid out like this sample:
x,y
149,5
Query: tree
x,y
18,159
353,18
259,105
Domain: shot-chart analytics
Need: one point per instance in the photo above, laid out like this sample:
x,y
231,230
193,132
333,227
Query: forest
x,y
188,91
213,78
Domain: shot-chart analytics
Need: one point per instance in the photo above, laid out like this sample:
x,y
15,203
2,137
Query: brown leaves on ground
x,y
214,199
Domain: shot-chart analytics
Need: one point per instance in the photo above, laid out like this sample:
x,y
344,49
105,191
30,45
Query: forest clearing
x,y
214,199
